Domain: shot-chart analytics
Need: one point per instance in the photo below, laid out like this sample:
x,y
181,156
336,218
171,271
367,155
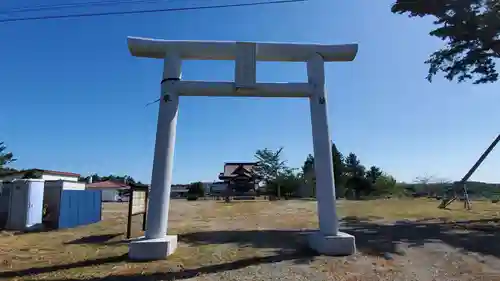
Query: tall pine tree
x,y
338,171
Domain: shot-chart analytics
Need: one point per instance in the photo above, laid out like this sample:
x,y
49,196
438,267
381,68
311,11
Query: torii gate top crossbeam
x,y
226,50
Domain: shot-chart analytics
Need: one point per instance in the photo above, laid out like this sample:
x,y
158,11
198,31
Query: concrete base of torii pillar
x,y
342,244
144,249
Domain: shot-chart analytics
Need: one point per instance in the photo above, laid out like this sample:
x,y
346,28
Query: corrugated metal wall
x,y
79,207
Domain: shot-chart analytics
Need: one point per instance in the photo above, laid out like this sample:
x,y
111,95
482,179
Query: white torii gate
x,y
157,244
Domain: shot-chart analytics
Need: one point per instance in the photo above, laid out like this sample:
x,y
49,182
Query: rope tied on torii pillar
x,y
166,98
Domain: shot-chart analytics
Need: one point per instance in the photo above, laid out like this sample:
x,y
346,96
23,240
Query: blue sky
x,y
73,98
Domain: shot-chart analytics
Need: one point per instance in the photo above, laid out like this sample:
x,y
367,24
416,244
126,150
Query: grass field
x,y
397,240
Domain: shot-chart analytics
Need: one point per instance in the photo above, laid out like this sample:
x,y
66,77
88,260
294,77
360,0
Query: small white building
x,y
47,175
111,191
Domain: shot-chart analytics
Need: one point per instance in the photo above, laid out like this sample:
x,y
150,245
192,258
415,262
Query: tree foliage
x,y
279,179
339,171
353,166
356,182
351,178
116,178
269,164
287,183
374,173
471,30
386,184
5,157
32,174
308,166
196,189
308,174
359,185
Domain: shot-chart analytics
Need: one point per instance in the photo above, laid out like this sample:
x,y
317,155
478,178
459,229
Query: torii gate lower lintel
x,y
156,244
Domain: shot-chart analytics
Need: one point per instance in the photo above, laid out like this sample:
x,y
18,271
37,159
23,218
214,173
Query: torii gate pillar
x,y
156,244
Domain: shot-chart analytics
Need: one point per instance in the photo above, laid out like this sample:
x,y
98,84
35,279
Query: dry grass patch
x,y
417,209
224,241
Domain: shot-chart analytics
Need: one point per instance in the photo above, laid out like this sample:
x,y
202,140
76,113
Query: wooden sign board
x,y
138,202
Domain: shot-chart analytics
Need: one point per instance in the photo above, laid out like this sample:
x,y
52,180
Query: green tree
x,y
287,183
385,185
471,30
5,157
196,189
116,178
373,173
339,171
125,179
353,166
32,174
359,186
356,182
269,164
308,174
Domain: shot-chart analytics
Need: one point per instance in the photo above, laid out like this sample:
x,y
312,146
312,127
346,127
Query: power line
x,y
150,11
38,8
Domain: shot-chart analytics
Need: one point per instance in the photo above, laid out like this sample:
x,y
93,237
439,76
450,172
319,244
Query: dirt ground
x,y
396,240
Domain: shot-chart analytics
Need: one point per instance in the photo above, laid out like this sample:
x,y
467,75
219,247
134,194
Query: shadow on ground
x,y
372,238
52,268
480,236
283,239
183,274
95,239
284,246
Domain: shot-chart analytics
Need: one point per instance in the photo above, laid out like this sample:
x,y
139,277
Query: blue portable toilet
x,y
25,204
